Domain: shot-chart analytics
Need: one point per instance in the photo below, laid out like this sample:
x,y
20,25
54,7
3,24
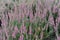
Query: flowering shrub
x,y
29,19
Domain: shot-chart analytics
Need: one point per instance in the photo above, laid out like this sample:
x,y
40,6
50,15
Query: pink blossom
x,y
15,29
59,12
30,30
7,33
21,37
44,13
23,29
55,9
3,23
58,19
31,16
14,35
11,16
51,21
22,5
0,34
15,32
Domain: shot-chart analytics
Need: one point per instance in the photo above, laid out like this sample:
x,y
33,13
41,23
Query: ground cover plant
x,y
29,19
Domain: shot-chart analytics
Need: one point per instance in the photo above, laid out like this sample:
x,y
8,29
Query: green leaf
x,y
19,25
15,22
33,30
27,24
17,36
59,29
55,15
25,37
47,15
34,25
43,24
10,38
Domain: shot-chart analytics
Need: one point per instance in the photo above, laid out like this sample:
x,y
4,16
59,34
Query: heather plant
x,y
29,19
